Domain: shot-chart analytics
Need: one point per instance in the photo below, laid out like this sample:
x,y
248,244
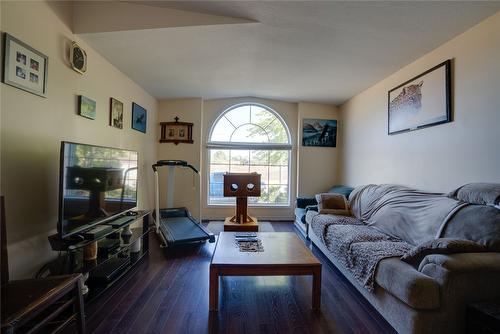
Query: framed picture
x,y
116,113
176,132
139,117
319,132
422,101
24,67
86,107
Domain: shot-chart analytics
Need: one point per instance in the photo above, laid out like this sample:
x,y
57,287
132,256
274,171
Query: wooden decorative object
x,y
4,263
241,186
176,132
90,252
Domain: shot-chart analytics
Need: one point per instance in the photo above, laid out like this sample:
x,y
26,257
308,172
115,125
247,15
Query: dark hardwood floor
x,y
169,294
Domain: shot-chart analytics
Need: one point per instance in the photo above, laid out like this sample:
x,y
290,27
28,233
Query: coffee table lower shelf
x,y
229,261
216,272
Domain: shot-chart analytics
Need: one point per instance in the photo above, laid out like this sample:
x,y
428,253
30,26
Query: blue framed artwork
x,y
139,117
319,132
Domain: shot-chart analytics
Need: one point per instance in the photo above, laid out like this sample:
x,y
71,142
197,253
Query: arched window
x,y
250,138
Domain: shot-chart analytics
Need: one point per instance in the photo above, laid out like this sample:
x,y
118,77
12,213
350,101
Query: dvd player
x,y
96,232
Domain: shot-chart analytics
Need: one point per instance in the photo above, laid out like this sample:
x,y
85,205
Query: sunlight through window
x,y
250,138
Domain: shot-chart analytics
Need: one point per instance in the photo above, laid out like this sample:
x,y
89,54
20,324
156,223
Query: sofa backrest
x,y
404,213
479,223
340,189
416,216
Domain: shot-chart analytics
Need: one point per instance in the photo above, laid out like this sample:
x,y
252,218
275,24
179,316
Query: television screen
x,y
96,184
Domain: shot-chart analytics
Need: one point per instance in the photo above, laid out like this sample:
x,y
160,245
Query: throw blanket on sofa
x,y
357,247
407,214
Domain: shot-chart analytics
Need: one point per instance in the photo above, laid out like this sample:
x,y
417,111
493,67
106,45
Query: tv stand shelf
x,y
123,252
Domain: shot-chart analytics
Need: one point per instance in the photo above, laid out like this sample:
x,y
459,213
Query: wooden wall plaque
x,y
176,132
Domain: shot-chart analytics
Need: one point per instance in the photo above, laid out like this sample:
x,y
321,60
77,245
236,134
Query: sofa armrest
x,y
303,202
312,207
465,277
310,215
461,262
408,284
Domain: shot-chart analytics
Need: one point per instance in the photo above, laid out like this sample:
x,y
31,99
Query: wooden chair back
x,y
4,264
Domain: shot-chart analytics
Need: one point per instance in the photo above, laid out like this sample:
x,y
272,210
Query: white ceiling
x,y
298,51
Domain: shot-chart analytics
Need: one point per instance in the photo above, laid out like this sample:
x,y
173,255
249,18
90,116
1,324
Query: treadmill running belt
x,y
181,230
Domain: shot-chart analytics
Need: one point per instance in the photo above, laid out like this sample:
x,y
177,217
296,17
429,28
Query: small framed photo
x,y
176,132
116,113
86,107
139,118
24,67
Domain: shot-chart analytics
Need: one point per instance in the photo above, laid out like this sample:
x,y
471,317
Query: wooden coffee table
x,y
284,254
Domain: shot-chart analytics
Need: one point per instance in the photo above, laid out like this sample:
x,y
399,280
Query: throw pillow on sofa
x,y
441,246
334,204
478,193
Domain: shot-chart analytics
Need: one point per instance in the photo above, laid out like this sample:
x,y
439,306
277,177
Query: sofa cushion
x,y
408,284
478,193
441,246
334,204
310,215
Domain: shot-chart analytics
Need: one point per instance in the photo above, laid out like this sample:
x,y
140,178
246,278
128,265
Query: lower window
x,y
273,165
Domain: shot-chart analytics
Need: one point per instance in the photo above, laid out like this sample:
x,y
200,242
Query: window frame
x,y
249,146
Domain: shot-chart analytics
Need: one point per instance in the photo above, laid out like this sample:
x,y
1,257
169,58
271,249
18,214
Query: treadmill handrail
x,y
180,163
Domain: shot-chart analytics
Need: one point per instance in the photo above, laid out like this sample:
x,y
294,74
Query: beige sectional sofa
x,y
425,297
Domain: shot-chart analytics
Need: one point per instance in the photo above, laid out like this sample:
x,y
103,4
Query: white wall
x,y
186,193
314,169
440,157
318,170
317,166
32,128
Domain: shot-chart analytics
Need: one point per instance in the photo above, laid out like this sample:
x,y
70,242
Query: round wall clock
x,y
78,58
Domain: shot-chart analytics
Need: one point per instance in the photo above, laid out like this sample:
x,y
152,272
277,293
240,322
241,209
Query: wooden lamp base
x,y
251,225
241,186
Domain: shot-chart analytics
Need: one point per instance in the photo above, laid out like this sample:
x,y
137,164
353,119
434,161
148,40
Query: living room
x,y
242,87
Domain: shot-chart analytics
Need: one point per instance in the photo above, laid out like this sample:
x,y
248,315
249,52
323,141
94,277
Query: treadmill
x,y
176,226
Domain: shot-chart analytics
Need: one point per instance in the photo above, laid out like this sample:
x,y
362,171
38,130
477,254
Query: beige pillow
x,y
333,204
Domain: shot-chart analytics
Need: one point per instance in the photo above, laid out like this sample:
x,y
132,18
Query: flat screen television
x,y
96,184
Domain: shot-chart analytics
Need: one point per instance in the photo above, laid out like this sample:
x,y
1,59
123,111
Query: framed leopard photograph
x,y
422,101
